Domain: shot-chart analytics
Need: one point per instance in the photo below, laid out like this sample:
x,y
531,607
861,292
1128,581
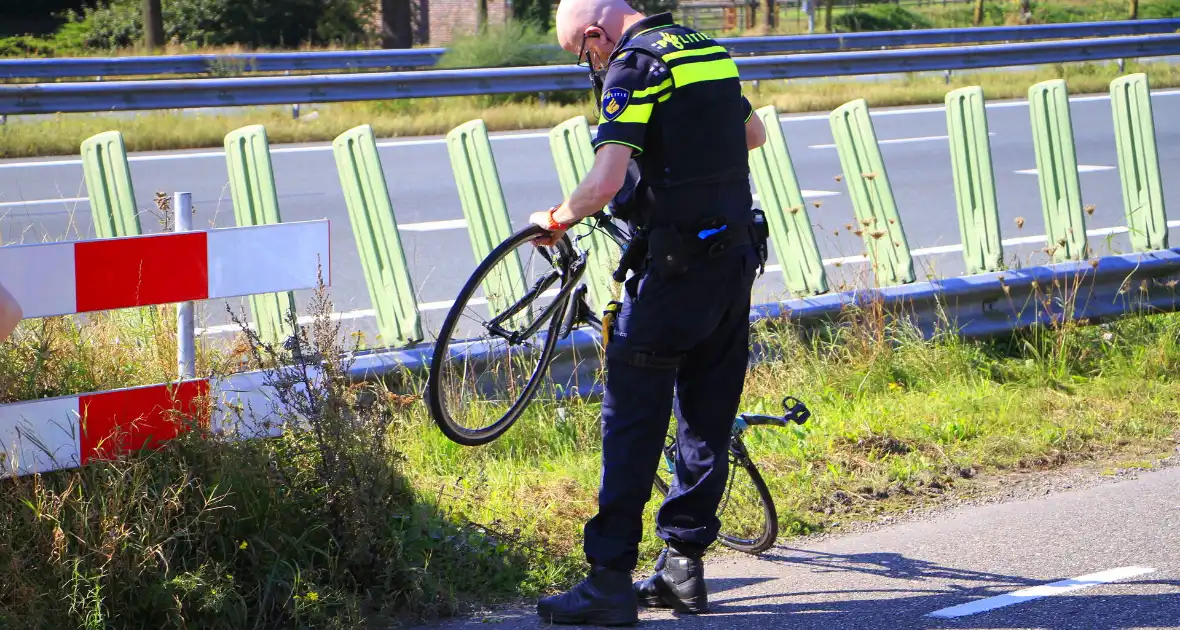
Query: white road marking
x,y
1044,590
807,194
160,157
893,141
941,109
433,226
786,118
43,202
818,193
1082,168
303,321
441,305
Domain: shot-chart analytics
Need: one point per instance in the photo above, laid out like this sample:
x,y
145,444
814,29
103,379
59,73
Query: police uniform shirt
x,y
673,96
635,82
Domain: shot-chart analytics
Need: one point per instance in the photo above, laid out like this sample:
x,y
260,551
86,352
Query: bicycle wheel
x,y
752,526
489,364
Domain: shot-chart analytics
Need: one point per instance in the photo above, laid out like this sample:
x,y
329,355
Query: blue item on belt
x,y
704,234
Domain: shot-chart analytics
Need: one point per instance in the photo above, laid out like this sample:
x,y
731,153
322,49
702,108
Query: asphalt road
x,y
1097,558
44,199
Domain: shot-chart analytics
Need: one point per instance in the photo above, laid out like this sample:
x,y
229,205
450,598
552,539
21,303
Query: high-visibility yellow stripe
x,y
635,114
689,73
711,50
653,90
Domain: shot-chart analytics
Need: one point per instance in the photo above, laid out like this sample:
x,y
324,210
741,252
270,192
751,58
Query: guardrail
x,y
353,60
989,300
48,98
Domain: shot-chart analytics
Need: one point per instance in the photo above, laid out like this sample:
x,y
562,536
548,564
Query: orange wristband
x,y
553,224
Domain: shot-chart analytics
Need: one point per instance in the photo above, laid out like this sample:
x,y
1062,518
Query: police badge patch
x,y
614,101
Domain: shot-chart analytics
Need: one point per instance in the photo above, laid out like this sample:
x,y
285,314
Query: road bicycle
x,y
512,333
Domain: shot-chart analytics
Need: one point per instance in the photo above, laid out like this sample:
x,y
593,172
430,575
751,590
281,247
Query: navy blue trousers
x,y
703,317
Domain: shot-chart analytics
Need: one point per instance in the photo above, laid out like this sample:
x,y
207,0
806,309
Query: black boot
x,y
605,598
679,584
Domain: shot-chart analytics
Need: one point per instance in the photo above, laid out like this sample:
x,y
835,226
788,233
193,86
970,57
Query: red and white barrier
x,y
49,279
53,279
49,434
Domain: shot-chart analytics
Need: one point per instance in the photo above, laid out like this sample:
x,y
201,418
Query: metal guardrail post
x,y
488,224
1139,167
573,154
975,185
378,240
108,185
186,358
1057,170
872,196
256,202
786,211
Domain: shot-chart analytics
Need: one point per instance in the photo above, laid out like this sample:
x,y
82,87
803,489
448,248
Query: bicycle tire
x,y
770,535
478,437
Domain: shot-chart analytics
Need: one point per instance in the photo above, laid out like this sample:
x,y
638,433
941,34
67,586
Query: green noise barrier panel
x,y
1057,170
378,241
488,224
108,185
573,154
1139,165
872,196
975,183
256,202
782,200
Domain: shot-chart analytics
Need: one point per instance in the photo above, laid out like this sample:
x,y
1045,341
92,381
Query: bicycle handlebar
x,y
797,413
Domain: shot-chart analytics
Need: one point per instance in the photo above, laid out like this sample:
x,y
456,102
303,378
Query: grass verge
x,y
421,117
372,516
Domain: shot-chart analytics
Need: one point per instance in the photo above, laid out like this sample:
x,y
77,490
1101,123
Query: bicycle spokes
x,y
499,336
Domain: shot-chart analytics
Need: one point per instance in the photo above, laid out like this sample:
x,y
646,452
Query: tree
x,y
828,16
153,24
397,28
536,12
1134,9
482,20
771,14
978,12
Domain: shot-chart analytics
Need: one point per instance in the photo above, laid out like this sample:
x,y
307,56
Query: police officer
x,y
672,102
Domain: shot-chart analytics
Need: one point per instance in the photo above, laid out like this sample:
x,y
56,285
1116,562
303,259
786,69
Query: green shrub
x,y
651,7
510,45
259,23
26,46
880,18
1160,9
535,12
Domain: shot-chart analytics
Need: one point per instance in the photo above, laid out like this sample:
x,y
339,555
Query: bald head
x,y
574,16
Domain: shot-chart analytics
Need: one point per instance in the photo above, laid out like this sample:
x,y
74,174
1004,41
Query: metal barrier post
x,y
185,328
1057,170
872,195
1139,165
109,187
256,202
786,212
378,239
570,143
975,185
482,198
